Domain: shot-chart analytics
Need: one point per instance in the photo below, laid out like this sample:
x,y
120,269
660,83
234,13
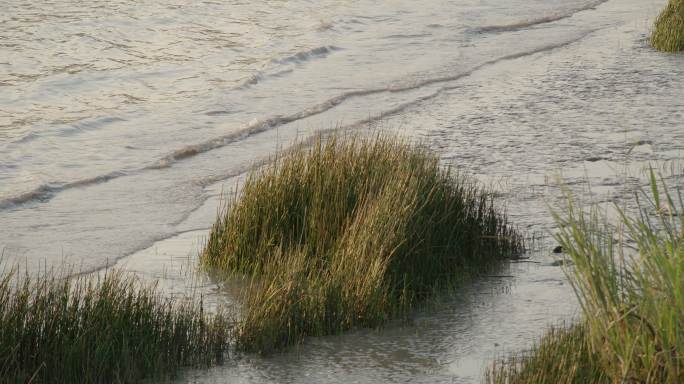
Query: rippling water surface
x,y
122,121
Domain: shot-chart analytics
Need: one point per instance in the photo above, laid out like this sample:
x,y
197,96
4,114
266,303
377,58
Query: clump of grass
x,y
351,233
668,31
113,329
630,284
562,356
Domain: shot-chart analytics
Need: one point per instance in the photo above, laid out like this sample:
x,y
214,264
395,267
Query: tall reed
x,y
109,330
668,31
630,284
351,232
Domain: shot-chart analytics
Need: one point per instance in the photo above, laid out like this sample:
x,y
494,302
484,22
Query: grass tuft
x,y
351,233
111,329
630,284
668,31
562,356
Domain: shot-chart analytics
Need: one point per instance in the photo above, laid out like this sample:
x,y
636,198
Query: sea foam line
x,y
541,20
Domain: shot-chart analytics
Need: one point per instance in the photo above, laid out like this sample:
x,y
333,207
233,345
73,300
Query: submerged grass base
x,y
351,232
111,330
630,285
668,31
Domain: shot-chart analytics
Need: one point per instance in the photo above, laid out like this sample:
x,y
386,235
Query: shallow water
x,y
122,122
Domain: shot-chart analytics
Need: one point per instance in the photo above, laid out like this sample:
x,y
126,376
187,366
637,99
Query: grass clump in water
x,y
350,233
113,329
630,284
562,356
668,31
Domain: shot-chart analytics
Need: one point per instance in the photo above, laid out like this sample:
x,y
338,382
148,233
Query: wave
x,y
297,58
541,20
407,36
26,138
39,193
303,56
259,126
251,80
71,130
47,191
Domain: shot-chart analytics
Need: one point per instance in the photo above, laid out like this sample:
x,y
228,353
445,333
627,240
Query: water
x,y
122,122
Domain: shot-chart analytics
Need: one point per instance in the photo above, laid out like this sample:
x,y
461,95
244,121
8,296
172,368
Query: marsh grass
x,y
562,356
668,31
350,233
110,329
630,284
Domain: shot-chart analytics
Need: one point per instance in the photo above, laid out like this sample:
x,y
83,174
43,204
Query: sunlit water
x,y
122,121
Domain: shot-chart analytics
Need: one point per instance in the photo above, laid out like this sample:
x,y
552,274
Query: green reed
x,y
351,233
110,329
562,356
668,31
630,284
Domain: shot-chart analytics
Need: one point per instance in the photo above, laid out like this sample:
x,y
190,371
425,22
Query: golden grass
x,y
630,284
351,233
668,31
